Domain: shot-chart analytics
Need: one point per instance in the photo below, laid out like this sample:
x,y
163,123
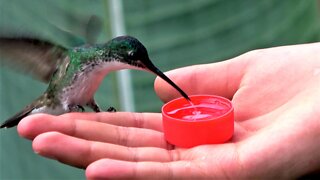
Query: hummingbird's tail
x,y
14,120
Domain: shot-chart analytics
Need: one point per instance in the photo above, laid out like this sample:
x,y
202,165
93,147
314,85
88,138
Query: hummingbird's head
x,y
130,50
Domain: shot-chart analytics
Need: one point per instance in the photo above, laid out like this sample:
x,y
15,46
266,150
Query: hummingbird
x,y
75,74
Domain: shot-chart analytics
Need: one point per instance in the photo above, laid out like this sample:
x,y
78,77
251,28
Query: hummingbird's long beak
x,y
155,70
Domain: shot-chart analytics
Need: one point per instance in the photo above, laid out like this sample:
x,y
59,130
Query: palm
x,y
274,96
253,137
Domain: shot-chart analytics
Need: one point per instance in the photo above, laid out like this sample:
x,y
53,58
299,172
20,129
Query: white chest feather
x,y
86,82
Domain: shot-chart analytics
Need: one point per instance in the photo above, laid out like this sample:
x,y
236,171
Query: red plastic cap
x,y
216,125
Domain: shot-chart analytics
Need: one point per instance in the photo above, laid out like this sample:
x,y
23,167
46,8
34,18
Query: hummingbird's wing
x,y
39,58
93,29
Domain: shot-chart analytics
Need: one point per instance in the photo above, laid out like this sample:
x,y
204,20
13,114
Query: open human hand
x,y
275,93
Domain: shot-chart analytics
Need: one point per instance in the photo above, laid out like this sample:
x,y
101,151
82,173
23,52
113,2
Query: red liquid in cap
x,y
209,109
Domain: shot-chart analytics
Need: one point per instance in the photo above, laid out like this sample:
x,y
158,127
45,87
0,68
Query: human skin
x,y
276,98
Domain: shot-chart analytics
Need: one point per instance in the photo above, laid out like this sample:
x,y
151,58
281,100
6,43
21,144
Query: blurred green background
x,y
176,32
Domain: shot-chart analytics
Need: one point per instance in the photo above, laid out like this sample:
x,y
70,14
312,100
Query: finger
x,y
114,169
32,126
80,153
127,119
221,78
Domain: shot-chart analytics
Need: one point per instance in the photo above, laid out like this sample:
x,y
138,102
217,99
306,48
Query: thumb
x,y
221,79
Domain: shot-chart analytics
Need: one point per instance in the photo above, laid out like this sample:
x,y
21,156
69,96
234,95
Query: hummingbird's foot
x,y
111,109
75,108
81,108
94,106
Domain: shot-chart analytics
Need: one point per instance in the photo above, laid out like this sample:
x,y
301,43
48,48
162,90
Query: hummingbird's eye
x,y
130,53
